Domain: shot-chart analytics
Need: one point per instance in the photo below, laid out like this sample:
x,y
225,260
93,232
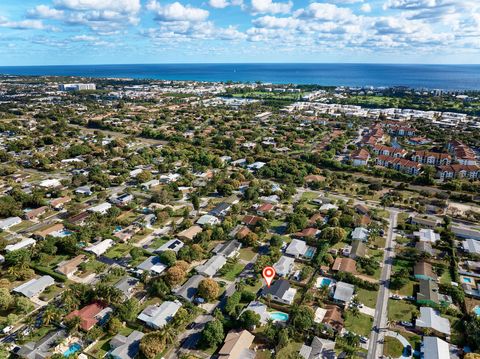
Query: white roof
x,y
102,207
158,316
207,219
100,247
212,265
152,264
435,348
284,266
319,315
328,206
27,242
471,246
360,233
343,291
430,318
50,183
427,235
296,247
289,295
171,245
34,286
259,308
10,221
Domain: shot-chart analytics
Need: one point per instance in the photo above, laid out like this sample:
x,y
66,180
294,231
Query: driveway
x,y
402,340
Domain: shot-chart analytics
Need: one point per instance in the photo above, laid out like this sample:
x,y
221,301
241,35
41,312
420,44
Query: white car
x,y
7,330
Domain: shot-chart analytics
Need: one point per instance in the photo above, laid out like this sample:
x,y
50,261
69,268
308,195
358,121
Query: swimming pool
x,y
72,349
467,280
62,233
279,316
310,252
476,310
325,282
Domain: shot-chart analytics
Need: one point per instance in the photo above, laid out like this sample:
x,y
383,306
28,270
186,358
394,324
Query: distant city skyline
x,y
63,32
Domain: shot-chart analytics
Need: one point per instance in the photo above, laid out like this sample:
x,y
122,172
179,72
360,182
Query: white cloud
x,y
273,22
177,12
23,24
122,6
323,11
45,12
366,8
218,4
84,38
270,7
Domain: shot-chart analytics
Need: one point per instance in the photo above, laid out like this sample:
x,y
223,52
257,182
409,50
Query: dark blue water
x,y
448,77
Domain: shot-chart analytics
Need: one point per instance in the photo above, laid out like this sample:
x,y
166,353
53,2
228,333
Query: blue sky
x,y
49,32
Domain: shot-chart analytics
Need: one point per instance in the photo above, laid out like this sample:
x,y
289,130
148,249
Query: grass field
x,y
367,297
233,272
399,310
247,254
392,347
361,324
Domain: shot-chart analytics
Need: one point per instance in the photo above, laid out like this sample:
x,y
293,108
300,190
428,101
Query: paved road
x,y
189,338
375,348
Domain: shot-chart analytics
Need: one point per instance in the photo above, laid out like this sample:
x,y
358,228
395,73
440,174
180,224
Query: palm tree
x,y
73,324
354,311
49,315
169,334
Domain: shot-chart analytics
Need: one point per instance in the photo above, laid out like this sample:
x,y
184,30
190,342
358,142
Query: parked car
x,y
395,296
363,340
406,324
7,329
408,350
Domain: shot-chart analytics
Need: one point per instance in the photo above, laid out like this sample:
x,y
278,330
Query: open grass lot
x,y
392,347
118,251
360,324
399,310
309,196
236,269
367,297
246,254
414,339
408,289
446,277
21,226
158,242
289,350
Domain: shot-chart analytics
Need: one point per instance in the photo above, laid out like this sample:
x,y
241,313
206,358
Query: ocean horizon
x,y
418,76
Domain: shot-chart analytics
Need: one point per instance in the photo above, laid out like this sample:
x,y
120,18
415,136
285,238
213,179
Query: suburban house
x,y
424,222
237,346
152,264
284,266
427,235
24,243
424,270
250,220
149,184
361,209
34,287
470,246
79,219
122,200
306,233
220,209
343,292
189,233
9,222
428,294
212,266
157,316
435,348
208,219
296,248
171,245
126,233
344,265
360,157
84,191
68,268
122,347
229,249
259,308
360,234
89,315
466,233
189,289
430,319
426,247
280,291
101,208
100,247
263,209
42,348
59,203
48,230
333,317
35,213
320,348
127,286
358,250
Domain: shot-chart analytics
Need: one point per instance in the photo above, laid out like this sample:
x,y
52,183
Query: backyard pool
x,y
62,233
476,310
72,349
310,252
324,282
279,316
467,280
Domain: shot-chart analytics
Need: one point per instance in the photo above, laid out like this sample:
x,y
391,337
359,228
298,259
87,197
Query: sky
x,y
68,32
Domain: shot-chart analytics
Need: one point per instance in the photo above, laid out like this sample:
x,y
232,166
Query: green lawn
x,y
446,278
367,297
289,350
158,242
408,289
309,196
392,347
21,226
399,310
118,251
246,254
237,268
360,324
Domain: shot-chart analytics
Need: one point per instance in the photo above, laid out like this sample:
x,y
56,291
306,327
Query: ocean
x,y
445,77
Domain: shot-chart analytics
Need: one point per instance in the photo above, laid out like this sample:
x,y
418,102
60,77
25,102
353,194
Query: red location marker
x,y
268,274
